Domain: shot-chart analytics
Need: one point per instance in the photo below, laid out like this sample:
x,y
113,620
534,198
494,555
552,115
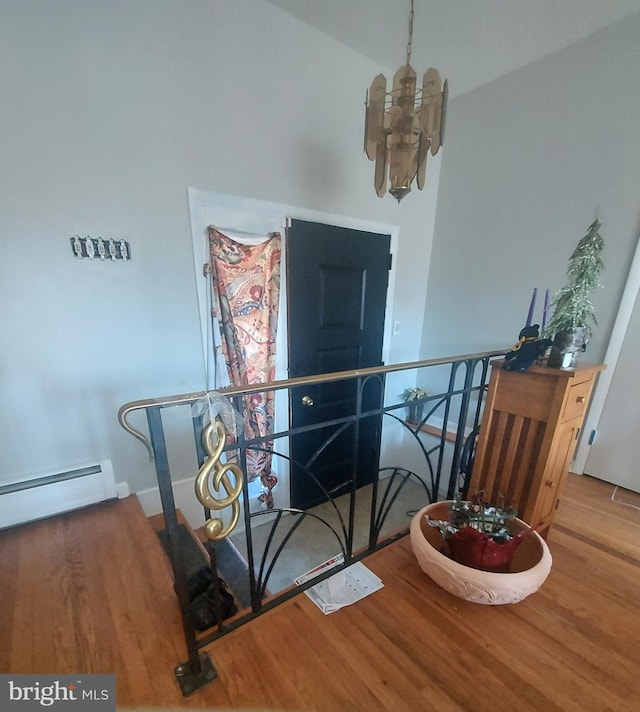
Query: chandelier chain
x,y
410,40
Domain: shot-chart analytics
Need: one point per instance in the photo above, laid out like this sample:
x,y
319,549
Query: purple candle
x,y
532,306
545,311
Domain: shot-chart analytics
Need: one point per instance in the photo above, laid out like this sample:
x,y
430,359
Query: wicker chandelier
x,y
404,125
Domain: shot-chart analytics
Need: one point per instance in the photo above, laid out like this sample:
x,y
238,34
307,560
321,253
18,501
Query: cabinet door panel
x,y
555,473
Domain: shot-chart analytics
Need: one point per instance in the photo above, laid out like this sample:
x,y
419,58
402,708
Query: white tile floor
x,y
313,541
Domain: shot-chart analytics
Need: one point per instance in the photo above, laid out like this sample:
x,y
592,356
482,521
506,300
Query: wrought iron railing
x,y
428,457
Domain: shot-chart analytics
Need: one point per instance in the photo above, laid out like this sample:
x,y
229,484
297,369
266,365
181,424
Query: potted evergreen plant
x,y
570,326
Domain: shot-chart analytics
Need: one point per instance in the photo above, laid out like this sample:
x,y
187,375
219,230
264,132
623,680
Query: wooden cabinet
x,y
528,436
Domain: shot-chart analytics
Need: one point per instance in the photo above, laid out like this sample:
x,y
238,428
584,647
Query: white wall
x,y
109,111
529,159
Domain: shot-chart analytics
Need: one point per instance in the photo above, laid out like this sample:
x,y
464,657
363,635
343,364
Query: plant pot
x,y
414,412
567,344
528,569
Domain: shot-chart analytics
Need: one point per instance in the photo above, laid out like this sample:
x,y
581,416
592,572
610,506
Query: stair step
x,y
232,567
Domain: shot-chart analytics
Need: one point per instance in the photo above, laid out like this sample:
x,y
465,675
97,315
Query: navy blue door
x,y
337,288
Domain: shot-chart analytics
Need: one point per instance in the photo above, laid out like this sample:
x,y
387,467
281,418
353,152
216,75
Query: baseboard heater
x,y
46,495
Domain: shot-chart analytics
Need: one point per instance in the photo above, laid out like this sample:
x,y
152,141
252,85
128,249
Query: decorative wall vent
x,y
97,248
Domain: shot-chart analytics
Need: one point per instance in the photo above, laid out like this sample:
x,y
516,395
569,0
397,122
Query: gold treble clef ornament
x,y
214,528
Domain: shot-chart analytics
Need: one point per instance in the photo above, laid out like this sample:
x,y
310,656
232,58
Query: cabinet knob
x,y
580,399
308,401
549,483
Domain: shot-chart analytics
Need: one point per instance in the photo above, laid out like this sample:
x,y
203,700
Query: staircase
x,y
231,566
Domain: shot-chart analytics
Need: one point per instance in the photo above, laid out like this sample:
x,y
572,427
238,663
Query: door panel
x,y
615,453
337,287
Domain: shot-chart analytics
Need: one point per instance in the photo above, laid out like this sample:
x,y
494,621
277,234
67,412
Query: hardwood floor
x,y
91,591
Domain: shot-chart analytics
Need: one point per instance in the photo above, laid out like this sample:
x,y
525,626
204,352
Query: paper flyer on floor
x,y
341,589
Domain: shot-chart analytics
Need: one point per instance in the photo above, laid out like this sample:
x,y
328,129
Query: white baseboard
x,y
122,490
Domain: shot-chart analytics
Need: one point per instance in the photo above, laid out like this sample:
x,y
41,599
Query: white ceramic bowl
x,y
529,568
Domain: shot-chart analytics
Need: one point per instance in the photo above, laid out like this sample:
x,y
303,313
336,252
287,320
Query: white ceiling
x,y
471,42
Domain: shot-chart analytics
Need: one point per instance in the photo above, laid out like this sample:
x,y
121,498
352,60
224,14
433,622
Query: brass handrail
x,y
186,398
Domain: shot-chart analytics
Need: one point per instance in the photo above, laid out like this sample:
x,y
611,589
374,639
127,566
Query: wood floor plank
x,y
9,568
92,591
19,609
462,655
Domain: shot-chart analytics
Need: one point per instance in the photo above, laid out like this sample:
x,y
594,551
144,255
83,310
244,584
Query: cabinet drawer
x,y
577,400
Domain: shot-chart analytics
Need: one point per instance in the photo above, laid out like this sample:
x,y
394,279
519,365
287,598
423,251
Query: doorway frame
x,y
242,214
204,205
614,348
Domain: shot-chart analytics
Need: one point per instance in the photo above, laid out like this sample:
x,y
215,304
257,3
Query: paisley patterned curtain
x,y
246,291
